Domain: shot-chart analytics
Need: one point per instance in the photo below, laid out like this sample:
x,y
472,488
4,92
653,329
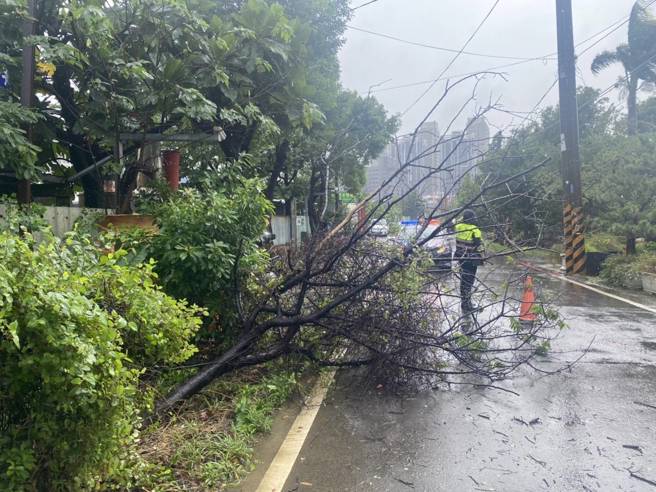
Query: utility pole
x,y
24,188
569,142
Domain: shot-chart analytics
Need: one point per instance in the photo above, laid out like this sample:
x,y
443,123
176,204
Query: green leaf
x,y
12,328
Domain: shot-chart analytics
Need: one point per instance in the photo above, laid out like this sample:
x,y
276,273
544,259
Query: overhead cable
x,y
453,60
438,48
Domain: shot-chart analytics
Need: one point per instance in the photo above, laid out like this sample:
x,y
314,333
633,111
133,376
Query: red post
x,y
172,168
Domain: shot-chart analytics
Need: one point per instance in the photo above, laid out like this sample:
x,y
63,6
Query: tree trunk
x,y
92,183
630,244
204,376
238,140
234,358
94,193
632,106
317,184
79,152
280,160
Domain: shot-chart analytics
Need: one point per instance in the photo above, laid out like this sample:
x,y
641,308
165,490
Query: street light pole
x,y
24,186
569,141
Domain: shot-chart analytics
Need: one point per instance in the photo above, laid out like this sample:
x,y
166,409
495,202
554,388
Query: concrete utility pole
x,y
569,141
24,188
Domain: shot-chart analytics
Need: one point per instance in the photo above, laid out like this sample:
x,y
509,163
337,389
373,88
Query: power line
x,y
545,58
453,60
449,77
601,95
363,5
438,48
528,115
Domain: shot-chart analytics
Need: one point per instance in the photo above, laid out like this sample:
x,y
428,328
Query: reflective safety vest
x,y
468,238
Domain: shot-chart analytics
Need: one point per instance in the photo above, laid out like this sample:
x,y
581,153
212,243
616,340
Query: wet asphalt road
x,y
576,431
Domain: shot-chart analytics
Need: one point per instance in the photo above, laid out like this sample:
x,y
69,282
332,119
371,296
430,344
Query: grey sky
x,y
518,28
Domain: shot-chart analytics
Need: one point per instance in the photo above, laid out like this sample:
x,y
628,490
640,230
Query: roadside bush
x,y
207,243
624,271
649,247
159,329
620,271
76,330
66,392
647,261
13,218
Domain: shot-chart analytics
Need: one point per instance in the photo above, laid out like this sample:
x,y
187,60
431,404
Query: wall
x,y
62,219
280,226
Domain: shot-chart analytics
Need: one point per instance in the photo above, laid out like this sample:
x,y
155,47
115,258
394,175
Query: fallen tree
x,y
345,300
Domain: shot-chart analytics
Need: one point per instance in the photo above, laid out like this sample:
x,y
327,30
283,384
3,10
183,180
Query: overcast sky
x,y
516,28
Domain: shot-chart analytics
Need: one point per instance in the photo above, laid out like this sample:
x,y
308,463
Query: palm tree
x,y
638,58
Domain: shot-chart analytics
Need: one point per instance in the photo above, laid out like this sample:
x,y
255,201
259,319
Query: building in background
x,y
439,163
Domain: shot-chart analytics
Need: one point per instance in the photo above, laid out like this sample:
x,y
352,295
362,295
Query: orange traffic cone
x,y
526,314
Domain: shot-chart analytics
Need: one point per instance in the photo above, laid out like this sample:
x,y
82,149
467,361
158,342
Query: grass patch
x,y
208,444
543,254
600,242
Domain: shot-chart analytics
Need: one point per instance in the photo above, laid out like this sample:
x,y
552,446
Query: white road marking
x,y
608,294
276,475
589,287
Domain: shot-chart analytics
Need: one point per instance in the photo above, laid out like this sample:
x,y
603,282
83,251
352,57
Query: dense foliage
x,y
264,71
617,171
626,271
534,209
621,192
207,246
77,330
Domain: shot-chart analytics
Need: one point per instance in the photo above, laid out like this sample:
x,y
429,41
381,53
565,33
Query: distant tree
x,y
412,205
636,58
647,115
536,209
333,154
623,193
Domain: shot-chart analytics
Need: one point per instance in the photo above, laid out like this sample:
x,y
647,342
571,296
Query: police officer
x,y
469,241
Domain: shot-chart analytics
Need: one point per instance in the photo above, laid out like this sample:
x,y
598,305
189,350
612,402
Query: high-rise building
x,y
435,165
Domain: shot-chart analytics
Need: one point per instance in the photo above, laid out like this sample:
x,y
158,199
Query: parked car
x,y
380,228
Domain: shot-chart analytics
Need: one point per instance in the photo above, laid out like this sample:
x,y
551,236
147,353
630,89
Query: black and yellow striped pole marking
x,y
568,230
578,241
574,239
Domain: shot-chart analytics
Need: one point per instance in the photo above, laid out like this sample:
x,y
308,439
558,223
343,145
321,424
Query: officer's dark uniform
x,y
468,243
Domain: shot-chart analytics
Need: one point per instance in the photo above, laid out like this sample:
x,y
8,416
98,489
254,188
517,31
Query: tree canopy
x,y
264,71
